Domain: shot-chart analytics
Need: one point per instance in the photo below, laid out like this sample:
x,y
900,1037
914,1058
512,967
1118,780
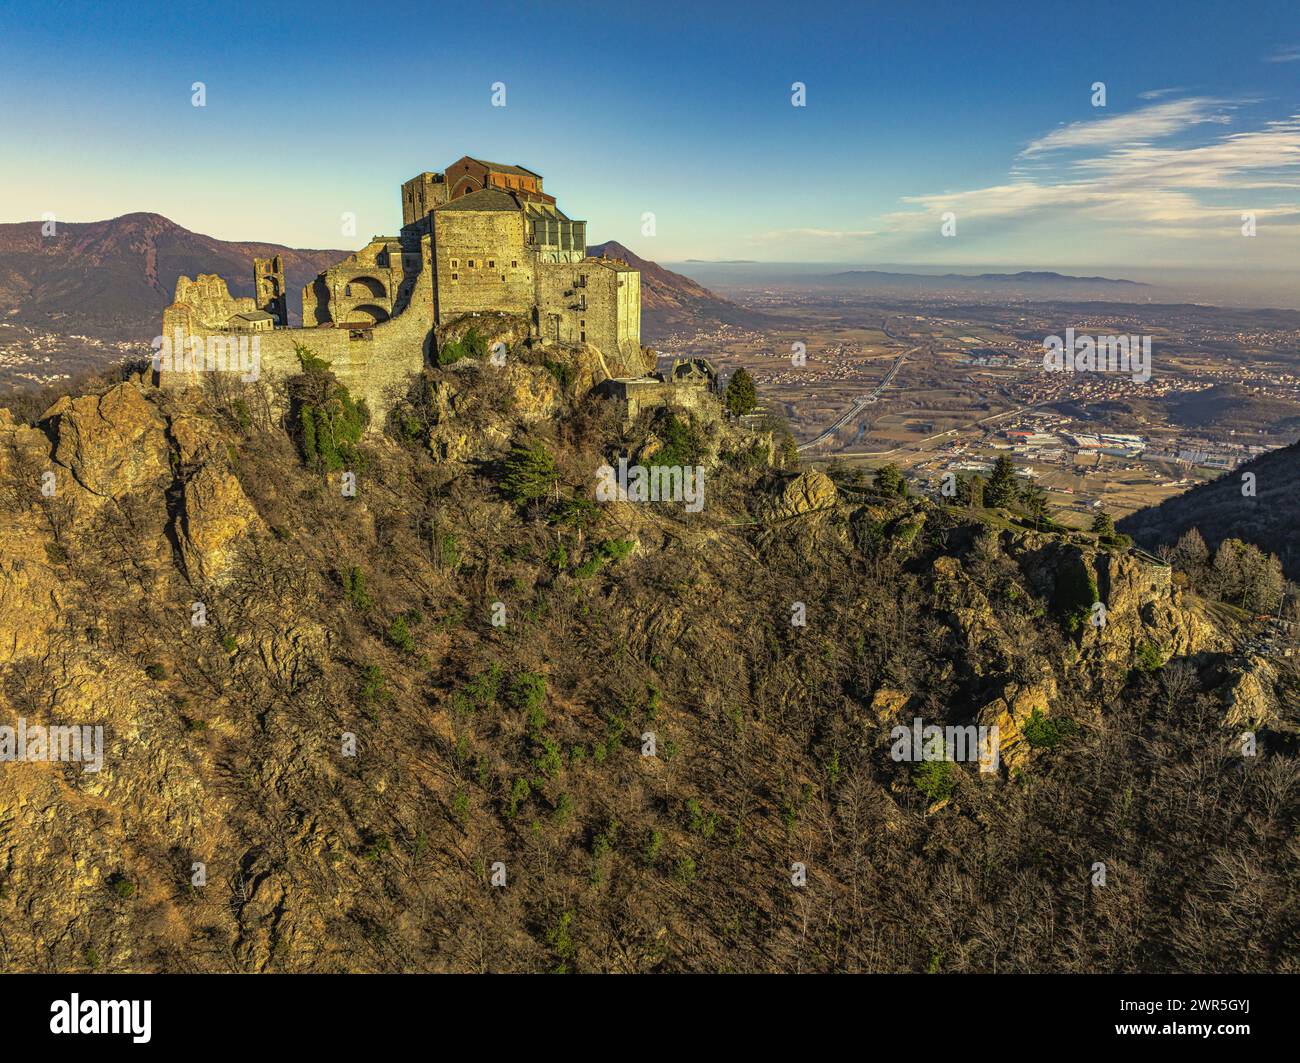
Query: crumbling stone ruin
x,y
480,238
690,384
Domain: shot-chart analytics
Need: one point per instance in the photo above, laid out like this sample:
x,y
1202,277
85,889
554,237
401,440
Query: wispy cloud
x,y
1155,94
1263,158
1129,186
1149,123
1284,53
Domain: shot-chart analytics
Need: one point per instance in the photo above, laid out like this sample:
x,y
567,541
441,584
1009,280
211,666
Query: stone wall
x,y
649,393
420,195
501,277
374,363
594,302
204,302
367,287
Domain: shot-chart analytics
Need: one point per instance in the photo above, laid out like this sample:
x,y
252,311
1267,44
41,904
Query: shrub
x,y
578,513
482,690
329,422
400,635
653,846
682,443
617,549
562,373
609,550
1150,657
474,345
563,809
518,794
549,761
470,345
460,808
701,823
355,589
935,778
1046,732
560,940
528,691
374,689
684,870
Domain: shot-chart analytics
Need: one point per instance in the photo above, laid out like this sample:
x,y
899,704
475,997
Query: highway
x,y
859,404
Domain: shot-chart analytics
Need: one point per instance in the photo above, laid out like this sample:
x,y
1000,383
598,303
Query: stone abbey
x,y
479,239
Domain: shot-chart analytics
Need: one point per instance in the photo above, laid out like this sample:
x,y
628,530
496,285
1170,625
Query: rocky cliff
x,y
334,724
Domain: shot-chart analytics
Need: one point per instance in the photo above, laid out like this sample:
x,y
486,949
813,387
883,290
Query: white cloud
x,y
1265,158
1284,53
1149,123
1135,189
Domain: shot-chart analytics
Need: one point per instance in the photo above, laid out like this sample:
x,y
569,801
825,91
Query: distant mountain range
x,y
113,278
948,280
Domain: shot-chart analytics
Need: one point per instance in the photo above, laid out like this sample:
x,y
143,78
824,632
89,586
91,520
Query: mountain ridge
x,y
115,276
1028,276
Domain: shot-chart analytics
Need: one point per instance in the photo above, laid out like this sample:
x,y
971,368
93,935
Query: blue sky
x,y
683,110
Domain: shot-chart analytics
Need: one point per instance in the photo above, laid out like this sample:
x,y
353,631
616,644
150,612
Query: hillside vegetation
x,y
1264,512
410,732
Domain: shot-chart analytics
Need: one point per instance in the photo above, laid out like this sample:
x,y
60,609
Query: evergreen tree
x,y
1002,484
741,396
530,473
889,481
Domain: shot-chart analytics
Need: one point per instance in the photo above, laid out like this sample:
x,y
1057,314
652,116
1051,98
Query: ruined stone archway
x,y
365,288
366,314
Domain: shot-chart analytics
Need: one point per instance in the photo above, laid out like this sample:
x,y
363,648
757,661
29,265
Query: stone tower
x,y
269,289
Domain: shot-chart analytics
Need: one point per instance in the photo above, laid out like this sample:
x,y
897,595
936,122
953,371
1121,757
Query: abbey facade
x,y
480,238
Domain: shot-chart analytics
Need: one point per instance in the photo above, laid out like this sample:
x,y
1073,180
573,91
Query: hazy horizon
x,y
1272,289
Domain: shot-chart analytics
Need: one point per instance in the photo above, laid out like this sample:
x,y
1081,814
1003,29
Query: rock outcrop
x,y
111,443
808,493
215,517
